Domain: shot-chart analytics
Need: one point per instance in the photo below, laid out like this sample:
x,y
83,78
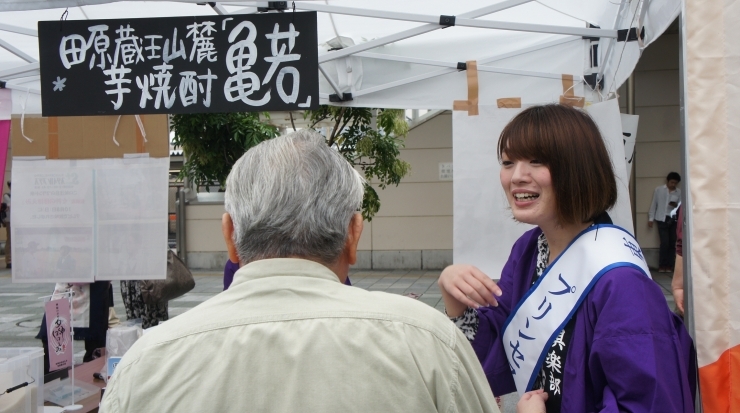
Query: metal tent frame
x,y
16,77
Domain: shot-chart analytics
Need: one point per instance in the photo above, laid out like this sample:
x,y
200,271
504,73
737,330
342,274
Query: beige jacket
x,y
289,337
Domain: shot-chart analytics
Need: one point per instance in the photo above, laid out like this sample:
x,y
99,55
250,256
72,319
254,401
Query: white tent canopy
x,y
396,54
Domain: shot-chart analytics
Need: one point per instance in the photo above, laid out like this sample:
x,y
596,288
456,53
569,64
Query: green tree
x,y
369,139
213,142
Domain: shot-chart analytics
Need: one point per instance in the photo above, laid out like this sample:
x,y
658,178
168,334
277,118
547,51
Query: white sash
x,y
546,308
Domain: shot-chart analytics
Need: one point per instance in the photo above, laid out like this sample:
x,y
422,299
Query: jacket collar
x,y
273,267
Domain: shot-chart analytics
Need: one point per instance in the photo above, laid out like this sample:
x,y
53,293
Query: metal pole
x,y
180,204
633,177
687,202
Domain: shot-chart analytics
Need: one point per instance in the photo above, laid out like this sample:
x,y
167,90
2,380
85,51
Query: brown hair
x,y
568,142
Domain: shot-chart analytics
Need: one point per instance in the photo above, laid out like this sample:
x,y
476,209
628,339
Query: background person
x,y
133,301
6,223
90,309
620,349
229,270
665,199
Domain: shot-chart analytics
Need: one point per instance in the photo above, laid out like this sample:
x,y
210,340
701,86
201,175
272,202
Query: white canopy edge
x,y
408,73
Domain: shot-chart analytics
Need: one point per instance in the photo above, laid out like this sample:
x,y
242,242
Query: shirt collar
x,y
273,267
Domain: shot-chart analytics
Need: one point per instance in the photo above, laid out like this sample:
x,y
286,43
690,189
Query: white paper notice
x,y
132,219
52,221
86,220
629,136
484,229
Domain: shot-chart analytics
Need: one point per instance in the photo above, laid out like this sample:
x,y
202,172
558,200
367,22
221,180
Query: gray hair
x,y
292,196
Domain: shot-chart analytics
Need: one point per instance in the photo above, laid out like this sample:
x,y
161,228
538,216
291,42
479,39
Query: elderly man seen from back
x,y
288,335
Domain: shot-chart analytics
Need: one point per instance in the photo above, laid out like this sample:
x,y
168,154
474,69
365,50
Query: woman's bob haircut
x,y
568,142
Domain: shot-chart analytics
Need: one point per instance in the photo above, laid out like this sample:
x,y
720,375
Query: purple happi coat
x,y
628,351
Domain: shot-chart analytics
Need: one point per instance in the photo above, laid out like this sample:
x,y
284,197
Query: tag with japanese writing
x,y
238,63
59,334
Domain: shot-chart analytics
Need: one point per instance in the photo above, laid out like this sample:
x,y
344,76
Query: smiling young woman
x,y
575,312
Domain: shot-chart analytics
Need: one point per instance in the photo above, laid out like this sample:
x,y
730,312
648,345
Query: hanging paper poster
x,y
131,205
52,221
59,334
484,230
236,63
78,221
629,133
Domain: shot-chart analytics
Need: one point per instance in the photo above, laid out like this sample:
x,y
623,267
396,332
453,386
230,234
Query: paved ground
x,y
21,308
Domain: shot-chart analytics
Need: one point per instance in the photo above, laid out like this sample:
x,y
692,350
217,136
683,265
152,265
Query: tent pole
x,y
22,78
687,201
633,178
453,65
460,21
443,72
19,30
330,80
610,47
29,69
416,31
22,88
16,51
219,9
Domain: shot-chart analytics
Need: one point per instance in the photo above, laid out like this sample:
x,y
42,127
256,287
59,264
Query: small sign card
x,y
59,334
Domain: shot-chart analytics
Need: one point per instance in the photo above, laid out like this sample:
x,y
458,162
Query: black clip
x,y
594,54
446,20
591,81
462,66
2,84
593,39
274,5
346,97
630,35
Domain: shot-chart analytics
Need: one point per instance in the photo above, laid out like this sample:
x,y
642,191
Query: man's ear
x,y
356,225
227,227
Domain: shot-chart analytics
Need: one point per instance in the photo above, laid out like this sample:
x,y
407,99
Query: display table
x,y
84,373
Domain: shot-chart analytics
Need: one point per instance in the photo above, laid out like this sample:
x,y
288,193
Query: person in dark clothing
x,y
91,302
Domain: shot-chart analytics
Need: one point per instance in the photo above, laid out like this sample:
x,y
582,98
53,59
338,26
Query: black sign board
x,y
239,63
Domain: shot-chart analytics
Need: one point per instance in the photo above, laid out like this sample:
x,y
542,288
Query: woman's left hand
x,y
464,286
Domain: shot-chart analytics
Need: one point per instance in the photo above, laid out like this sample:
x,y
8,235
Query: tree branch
x,y
292,122
346,121
317,121
336,125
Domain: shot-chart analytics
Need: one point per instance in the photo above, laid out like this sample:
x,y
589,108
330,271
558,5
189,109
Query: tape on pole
x,y
470,105
568,97
53,129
